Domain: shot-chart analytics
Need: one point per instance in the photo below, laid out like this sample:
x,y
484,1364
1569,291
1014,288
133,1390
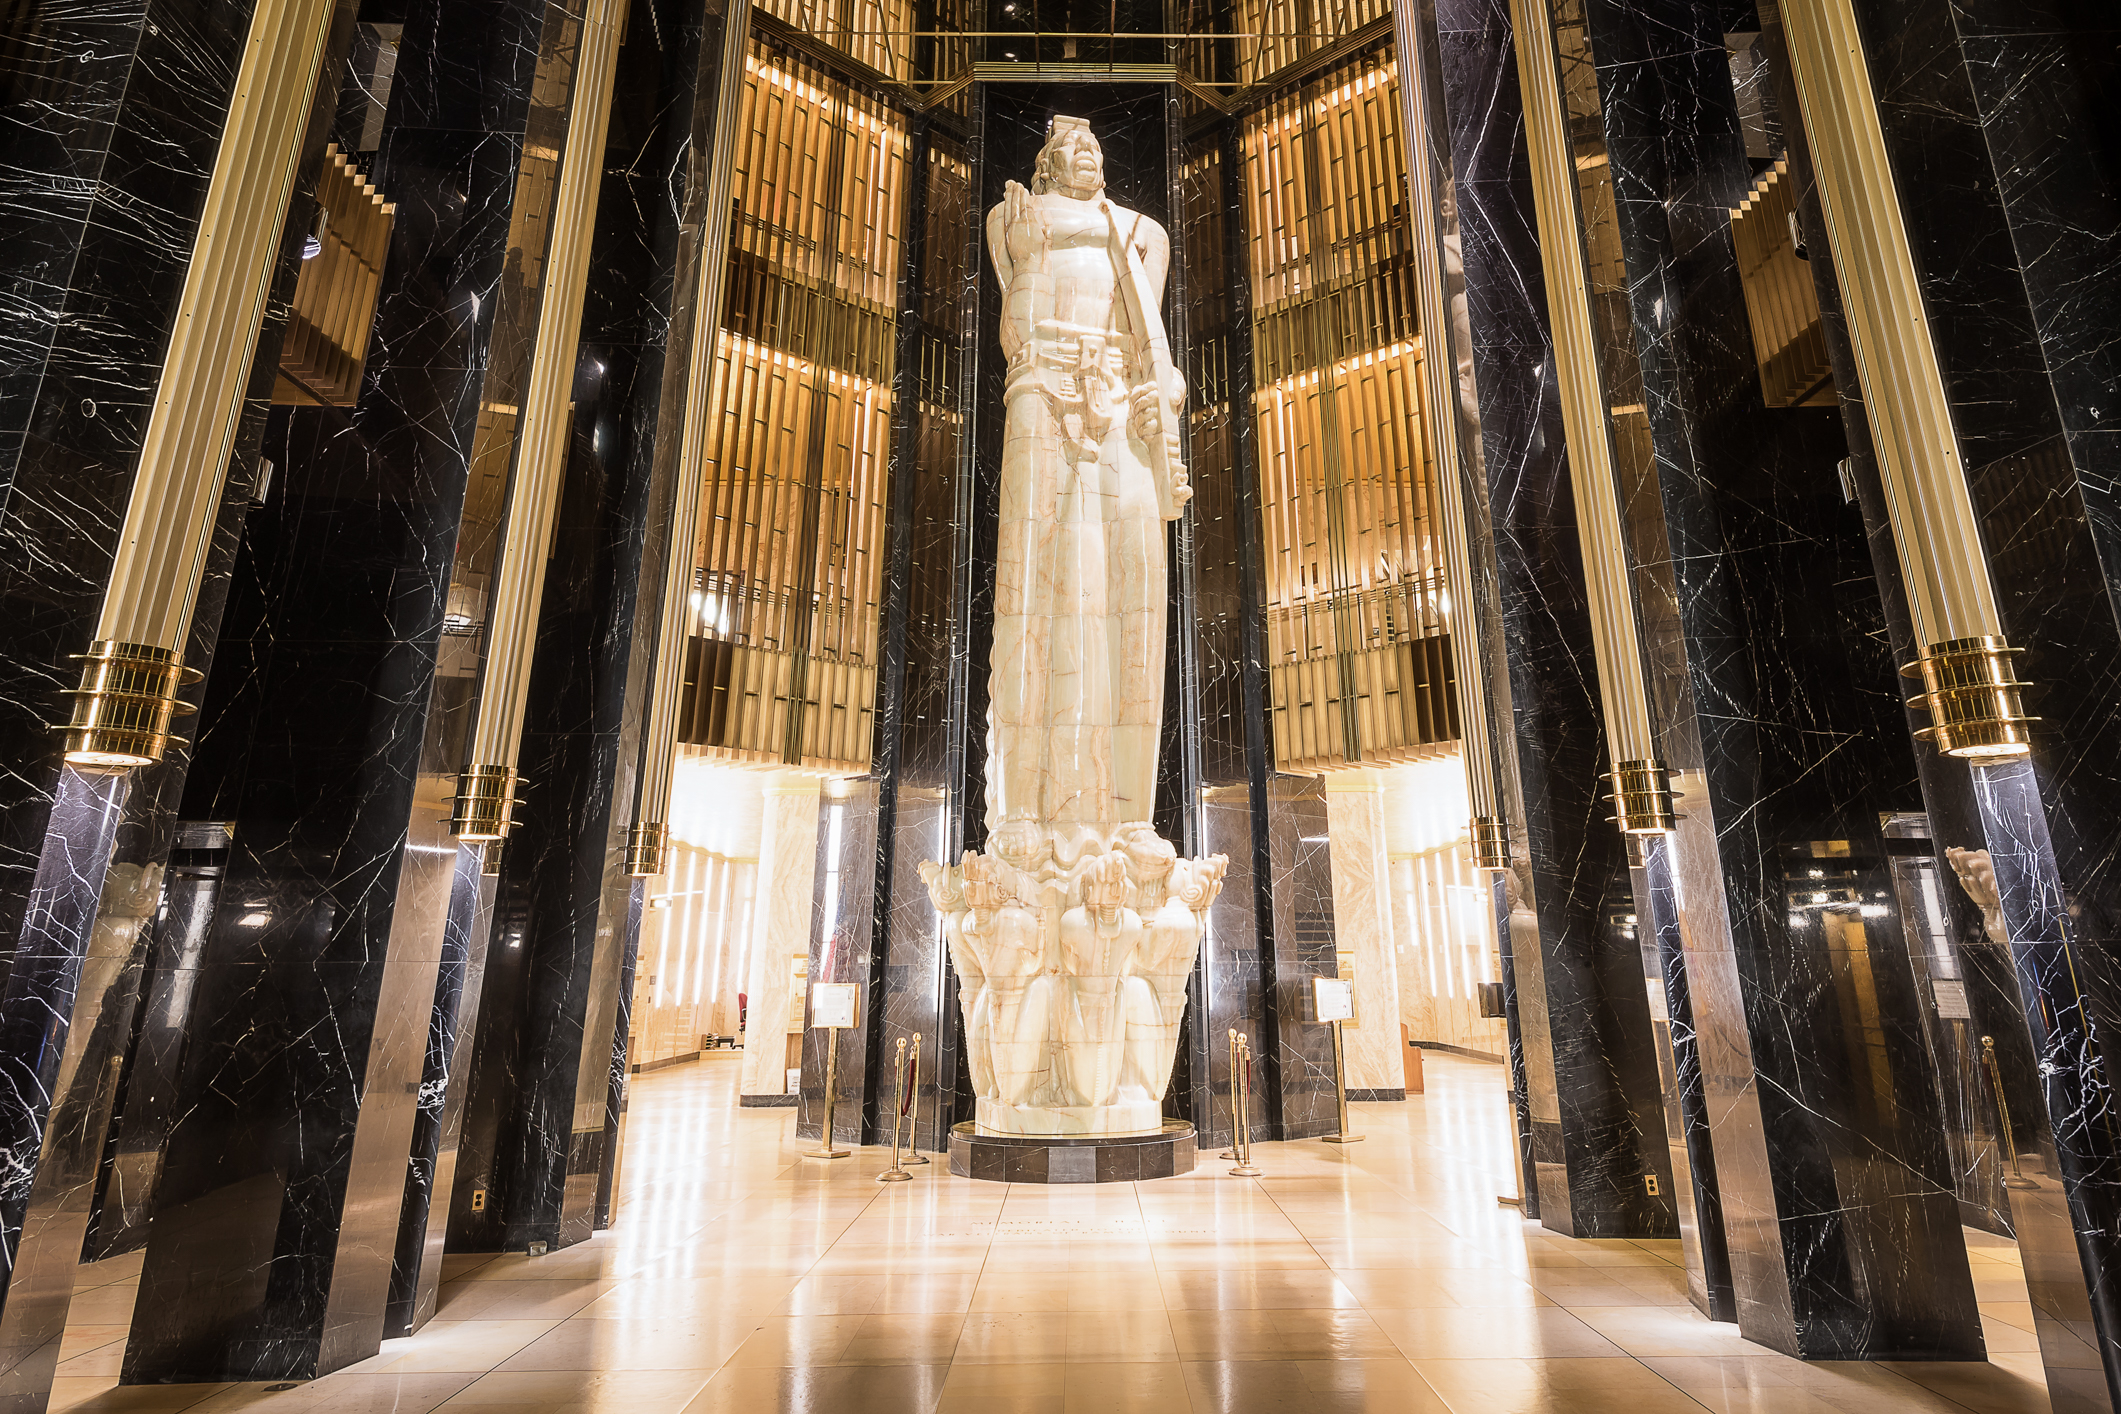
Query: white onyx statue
x,y
1074,933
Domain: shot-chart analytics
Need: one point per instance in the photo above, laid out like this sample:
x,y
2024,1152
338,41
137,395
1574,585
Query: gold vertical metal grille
x,y
878,33
1359,659
1781,303
782,660
334,305
1276,33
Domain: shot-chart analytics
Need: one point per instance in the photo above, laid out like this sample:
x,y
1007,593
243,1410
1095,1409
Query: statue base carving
x,y
1073,950
1120,1118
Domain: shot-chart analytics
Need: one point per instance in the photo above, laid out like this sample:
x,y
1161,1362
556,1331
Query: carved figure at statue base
x,y
1075,932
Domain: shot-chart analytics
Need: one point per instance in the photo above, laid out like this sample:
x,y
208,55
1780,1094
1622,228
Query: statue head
x,y
1071,163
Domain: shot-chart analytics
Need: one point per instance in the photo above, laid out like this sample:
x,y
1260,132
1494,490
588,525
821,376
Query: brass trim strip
x,y
191,426
1457,474
1614,635
542,435
1932,513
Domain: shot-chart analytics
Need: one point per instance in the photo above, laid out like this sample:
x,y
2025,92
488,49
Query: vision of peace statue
x,y
1074,933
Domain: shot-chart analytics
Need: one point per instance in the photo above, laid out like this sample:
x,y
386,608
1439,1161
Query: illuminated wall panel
x,y
782,663
1359,657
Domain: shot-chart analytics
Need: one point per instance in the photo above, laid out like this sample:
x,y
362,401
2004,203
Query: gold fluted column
x,y
649,834
132,670
1642,792
1488,830
1972,694
485,796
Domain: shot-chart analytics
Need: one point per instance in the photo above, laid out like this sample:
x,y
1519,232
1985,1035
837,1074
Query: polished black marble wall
x,y
270,1253
1764,635
538,1126
1591,1083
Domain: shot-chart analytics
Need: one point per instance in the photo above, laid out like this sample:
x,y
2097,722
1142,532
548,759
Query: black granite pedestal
x,y
1031,1158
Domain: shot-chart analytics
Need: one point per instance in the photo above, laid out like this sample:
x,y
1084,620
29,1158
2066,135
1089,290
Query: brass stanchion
x,y
913,1112
2017,1180
1241,1125
1236,1107
1340,1089
824,1149
895,1174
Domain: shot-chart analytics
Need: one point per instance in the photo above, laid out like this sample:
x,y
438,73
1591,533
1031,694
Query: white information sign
x,y
1334,998
833,1003
1951,999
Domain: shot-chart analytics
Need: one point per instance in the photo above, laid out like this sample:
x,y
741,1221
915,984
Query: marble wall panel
x,y
1295,1071
901,997
1363,933
782,918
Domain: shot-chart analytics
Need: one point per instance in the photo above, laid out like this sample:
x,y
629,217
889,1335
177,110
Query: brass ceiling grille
x,y
1359,656
1780,299
781,667
334,305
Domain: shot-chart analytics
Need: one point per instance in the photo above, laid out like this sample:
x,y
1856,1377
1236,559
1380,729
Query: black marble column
x,y
1998,124
270,1253
1764,636
113,124
1592,1093
1234,981
537,1133
919,757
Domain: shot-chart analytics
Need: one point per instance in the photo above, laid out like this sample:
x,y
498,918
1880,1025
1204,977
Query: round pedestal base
x,y
1023,1158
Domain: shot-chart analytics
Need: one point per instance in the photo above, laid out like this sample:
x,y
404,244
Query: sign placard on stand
x,y
1333,1000
834,1007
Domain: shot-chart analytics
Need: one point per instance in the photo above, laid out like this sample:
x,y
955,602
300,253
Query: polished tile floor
x,y
742,1279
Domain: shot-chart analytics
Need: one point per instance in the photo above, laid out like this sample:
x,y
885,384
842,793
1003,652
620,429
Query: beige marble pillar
x,y
787,875
1362,922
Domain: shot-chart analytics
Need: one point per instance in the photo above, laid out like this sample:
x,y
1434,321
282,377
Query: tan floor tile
x,y
342,1393
1518,1332
1593,1385
697,1340
1325,1386
844,1389
518,1300
449,1347
1666,1330
920,1338
101,1394
580,1392
1013,1338
1119,1337
1253,1288
103,1306
797,1340
1220,1336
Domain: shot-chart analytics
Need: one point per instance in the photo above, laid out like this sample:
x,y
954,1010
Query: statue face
x,y
1072,162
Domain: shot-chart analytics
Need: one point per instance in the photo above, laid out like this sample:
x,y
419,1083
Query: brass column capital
x,y
646,849
485,802
1490,836
123,707
1972,696
1642,798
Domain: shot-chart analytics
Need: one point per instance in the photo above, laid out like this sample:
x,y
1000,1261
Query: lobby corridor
x,y
741,1279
